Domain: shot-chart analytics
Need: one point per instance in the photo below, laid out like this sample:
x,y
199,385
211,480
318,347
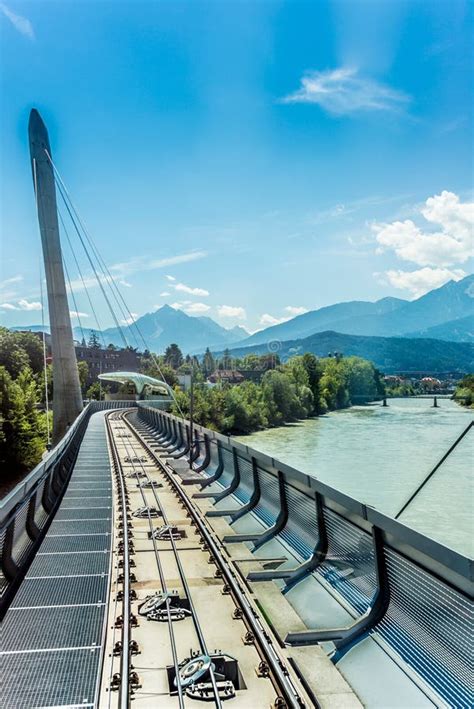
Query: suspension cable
x,y
432,472
108,278
76,309
71,208
99,280
99,327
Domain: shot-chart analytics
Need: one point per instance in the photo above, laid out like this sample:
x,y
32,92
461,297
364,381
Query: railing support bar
x,y
345,638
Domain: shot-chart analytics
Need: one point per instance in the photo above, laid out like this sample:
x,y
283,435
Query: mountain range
x,y
443,313
161,328
396,334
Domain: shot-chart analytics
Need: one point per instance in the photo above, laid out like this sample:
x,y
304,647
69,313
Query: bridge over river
x,y
153,561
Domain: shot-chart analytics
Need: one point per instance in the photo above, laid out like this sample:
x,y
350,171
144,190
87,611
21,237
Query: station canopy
x,y
141,382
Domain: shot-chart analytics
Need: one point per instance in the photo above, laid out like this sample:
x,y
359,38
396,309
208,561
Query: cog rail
x,y
276,664
159,607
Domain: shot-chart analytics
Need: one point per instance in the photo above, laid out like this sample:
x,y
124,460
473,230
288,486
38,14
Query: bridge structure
x,y
150,562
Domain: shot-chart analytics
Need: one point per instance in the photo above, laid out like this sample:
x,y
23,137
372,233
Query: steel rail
x,y
160,572
194,615
124,689
278,670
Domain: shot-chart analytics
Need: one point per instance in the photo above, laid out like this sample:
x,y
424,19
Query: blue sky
x,y
248,159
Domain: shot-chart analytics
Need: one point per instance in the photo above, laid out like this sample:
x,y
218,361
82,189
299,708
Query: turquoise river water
x,y
379,455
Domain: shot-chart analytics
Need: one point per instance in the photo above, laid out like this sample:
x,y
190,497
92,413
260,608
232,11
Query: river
x,y
379,455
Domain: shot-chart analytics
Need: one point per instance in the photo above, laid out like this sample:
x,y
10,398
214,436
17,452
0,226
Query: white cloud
x,y
22,304
342,91
197,308
10,281
452,244
130,320
190,291
78,314
8,290
125,283
21,24
145,264
421,281
267,319
295,310
232,311
191,308
165,294
292,310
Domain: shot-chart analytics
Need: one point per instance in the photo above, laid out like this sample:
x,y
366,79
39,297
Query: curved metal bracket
x,y
345,638
293,576
212,478
207,456
236,514
234,484
32,528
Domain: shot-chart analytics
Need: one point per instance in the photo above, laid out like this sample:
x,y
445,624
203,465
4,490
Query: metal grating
x,y
246,486
49,679
349,566
301,531
38,629
94,562
228,473
81,542
269,506
431,626
83,513
74,590
73,499
100,526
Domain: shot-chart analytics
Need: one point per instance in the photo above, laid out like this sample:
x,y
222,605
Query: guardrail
x,y
27,511
404,589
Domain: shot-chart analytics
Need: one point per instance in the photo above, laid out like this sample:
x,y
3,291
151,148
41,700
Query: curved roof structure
x,y
140,381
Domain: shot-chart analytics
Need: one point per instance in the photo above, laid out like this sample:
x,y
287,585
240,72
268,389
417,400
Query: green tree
x,y
173,356
226,361
23,427
95,392
33,347
464,393
159,370
208,362
83,369
94,342
12,355
281,398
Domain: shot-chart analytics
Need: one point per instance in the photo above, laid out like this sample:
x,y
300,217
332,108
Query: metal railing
x,y
27,511
401,587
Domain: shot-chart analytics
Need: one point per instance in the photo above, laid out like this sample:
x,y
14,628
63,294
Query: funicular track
x,y
136,463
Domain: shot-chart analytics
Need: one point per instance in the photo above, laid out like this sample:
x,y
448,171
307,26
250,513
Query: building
x,y
229,376
101,361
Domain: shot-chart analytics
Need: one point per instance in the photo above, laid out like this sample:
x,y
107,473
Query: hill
x,y
389,354
460,330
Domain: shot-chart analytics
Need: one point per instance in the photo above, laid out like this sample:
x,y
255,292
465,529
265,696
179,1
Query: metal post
x,y
191,419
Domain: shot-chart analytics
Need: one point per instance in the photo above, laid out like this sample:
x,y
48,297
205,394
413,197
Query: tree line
x,y
23,427
304,386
